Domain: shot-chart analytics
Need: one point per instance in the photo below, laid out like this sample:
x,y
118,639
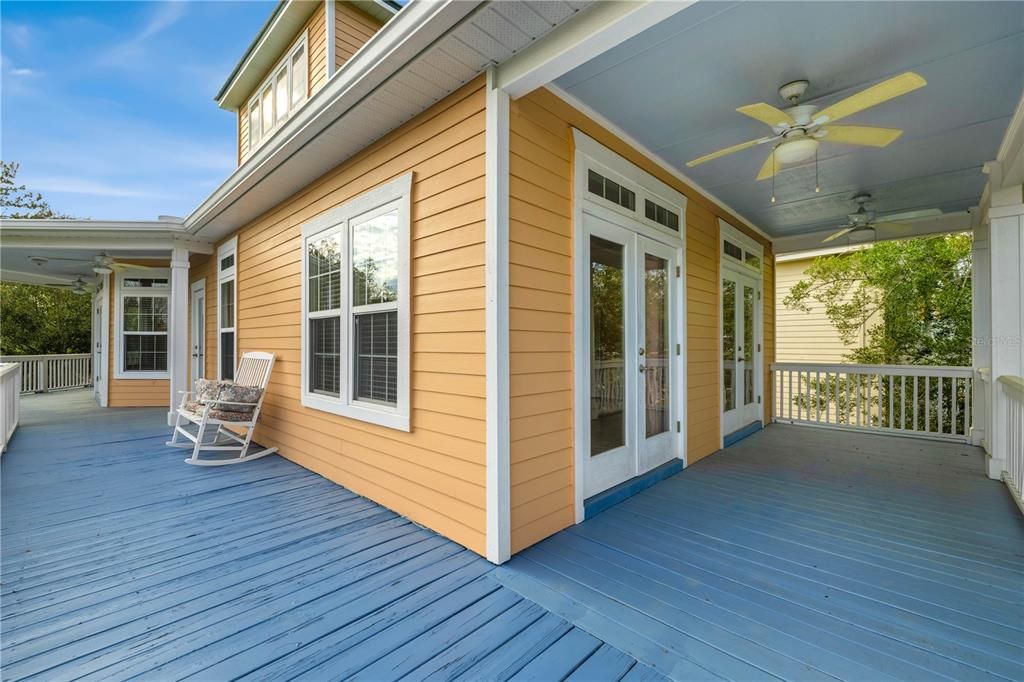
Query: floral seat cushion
x,y
224,398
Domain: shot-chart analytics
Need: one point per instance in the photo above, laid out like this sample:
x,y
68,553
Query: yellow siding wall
x,y
352,28
435,474
540,318
130,392
805,336
316,52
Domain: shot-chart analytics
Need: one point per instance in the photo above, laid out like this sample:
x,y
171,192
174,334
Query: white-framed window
x,y
355,302
284,90
141,308
227,308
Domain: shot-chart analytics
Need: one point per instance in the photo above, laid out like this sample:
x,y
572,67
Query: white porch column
x,y
1006,240
981,332
177,332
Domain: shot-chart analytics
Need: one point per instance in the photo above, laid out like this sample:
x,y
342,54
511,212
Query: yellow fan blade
x,y
867,136
766,113
876,94
898,228
769,168
727,150
840,233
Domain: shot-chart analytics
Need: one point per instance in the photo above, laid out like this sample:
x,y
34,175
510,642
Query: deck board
x,y
801,554
120,561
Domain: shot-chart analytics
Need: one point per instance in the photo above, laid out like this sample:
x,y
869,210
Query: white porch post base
x,y
177,333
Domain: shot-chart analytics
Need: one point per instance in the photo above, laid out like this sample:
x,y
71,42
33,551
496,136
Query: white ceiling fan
x,y
863,221
101,264
797,130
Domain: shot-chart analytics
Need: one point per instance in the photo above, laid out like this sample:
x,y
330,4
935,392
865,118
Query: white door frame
x,y
197,365
590,154
728,264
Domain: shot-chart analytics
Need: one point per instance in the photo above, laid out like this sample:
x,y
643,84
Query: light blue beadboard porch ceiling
x,y
675,87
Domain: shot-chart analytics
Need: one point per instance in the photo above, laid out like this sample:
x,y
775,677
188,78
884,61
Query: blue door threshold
x,y
594,505
739,434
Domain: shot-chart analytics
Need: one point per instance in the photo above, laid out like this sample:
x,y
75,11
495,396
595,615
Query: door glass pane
x,y
227,304
656,355
227,355
728,344
607,336
748,345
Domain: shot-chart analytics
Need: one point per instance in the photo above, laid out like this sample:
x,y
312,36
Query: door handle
x,y
642,369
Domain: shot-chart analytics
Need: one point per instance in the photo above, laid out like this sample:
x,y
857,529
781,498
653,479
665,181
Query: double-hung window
x,y
227,302
280,94
142,318
355,291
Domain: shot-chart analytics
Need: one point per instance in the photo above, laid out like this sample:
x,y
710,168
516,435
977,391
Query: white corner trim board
x,y
498,474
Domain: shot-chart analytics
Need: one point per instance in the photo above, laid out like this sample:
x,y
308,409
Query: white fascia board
x,y
398,42
599,118
46,224
593,31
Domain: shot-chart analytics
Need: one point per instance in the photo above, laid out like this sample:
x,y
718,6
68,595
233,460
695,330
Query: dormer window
x,y
280,94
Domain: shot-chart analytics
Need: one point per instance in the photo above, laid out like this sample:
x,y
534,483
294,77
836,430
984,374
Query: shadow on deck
x,y
120,561
801,553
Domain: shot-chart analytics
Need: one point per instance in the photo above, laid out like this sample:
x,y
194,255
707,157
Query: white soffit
x,y
425,53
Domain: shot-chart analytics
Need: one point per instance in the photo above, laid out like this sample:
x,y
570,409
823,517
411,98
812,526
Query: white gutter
x,y
400,41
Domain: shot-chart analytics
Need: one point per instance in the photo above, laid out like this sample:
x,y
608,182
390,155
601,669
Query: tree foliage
x,y
38,320
17,201
914,296
35,320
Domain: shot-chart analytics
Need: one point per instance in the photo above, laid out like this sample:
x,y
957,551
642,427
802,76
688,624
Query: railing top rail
x,y
20,358
1012,381
907,370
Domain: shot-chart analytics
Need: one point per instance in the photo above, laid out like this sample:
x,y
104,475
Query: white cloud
x,y
128,53
18,34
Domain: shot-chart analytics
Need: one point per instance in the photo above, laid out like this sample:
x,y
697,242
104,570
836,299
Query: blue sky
x,y
108,106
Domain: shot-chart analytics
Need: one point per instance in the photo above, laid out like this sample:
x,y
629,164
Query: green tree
x,y
35,320
917,290
914,297
17,201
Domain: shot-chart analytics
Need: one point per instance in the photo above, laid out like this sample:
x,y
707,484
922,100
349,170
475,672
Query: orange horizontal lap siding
x,y
352,28
434,474
540,311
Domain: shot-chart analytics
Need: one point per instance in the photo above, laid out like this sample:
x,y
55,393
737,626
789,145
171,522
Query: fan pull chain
x,y
773,176
817,187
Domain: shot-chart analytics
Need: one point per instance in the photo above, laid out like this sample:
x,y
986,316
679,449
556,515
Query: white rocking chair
x,y
253,370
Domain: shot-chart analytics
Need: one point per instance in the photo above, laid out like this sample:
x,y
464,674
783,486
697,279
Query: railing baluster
x,y
890,401
941,406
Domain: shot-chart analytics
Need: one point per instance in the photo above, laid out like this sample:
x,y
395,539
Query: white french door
x,y
632,324
198,330
741,350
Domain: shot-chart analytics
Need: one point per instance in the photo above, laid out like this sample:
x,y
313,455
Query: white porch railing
x,y
1013,398
913,400
43,373
10,395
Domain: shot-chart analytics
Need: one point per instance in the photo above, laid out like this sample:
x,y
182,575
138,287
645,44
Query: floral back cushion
x,y
233,393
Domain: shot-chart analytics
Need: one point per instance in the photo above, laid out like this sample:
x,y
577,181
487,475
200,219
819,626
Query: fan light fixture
x,y
102,270
795,150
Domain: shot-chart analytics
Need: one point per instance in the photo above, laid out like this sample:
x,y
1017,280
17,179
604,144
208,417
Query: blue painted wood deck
x,y
121,561
801,554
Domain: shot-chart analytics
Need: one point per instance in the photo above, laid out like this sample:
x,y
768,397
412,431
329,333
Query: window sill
x,y
142,375
388,418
